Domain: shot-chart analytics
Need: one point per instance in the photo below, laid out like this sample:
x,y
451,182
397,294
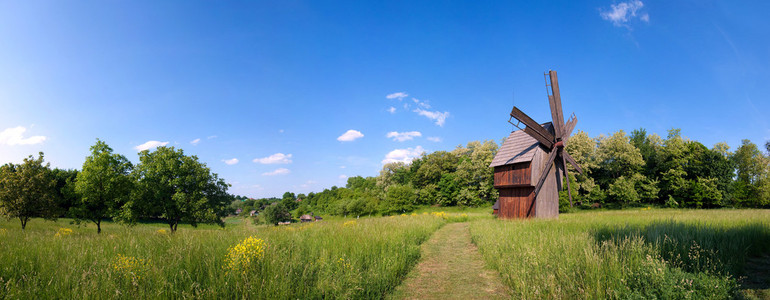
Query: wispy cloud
x,y
403,155
434,139
392,110
439,117
279,171
149,145
307,184
400,96
231,161
211,137
343,177
350,136
15,136
403,136
423,104
622,13
278,158
195,142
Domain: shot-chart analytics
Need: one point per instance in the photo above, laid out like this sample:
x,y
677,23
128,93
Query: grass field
x,y
662,254
669,254
363,258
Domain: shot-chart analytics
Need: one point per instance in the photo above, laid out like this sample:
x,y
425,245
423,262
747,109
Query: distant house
x,y
284,223
306,218
496,207
318,218
238,211
253,213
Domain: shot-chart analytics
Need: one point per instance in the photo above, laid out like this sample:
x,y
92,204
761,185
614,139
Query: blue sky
x,y
297,91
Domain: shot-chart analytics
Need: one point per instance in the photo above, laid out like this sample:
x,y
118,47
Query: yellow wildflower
x,y
63,231
349,223
439,214
130,267
413,214
162,231
241,256
3,231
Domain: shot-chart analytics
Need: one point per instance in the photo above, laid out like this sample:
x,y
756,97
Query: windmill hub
x,y
524,163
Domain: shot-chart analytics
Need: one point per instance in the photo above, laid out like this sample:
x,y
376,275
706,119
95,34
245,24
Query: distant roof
x,y
497,204
305,217
518,147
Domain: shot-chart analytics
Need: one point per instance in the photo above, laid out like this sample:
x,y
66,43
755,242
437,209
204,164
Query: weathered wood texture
x,y
516,203
514,175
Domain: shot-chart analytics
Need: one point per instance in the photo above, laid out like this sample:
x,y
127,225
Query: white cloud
x,y
620,14
195,142
280,130
231,161
399,96
15,136
392,110
434,139
403,136
278,158
439,117
307,184
350,135
211,137
342,167
403,155
423,104
279,171
149,145
343,176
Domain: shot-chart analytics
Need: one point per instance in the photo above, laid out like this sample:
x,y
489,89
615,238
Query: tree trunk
x,y
23,222
99,226
171,227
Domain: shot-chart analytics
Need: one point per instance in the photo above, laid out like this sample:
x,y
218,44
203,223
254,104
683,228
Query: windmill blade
x,y
566,175
555,101
572,162
560,166
568,127
548,164
533,128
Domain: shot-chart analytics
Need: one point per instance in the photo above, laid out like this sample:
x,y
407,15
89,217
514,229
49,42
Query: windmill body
x,y
531,162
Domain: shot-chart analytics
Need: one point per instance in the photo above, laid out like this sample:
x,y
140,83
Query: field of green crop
x,y
668,254
663,254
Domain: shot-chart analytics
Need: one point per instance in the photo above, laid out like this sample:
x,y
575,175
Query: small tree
x,y
103,185
276,213
27,190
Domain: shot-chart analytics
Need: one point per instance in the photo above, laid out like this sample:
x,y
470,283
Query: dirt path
x,y
451,268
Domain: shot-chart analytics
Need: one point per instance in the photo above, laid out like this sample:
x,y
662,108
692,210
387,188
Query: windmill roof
x,y
518,147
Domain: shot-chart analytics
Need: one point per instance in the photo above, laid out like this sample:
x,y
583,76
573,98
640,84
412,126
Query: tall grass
x,y
365,258
666,254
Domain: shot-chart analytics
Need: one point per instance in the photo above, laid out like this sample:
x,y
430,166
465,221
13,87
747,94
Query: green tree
x,y
273,214
104,185
66,197
475,177
178,188
752,181
289,200
27,190
398,199
617,157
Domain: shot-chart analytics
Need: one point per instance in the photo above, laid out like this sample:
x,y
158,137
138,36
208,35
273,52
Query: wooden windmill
x,y
530,163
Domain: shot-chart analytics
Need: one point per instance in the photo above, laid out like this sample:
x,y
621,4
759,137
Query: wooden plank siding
x,y
513,175
516,203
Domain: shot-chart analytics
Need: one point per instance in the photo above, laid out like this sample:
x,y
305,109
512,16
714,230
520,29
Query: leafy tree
x,y
276,213
617,157
66,197
104,185
623,190
27,190
474,176
752,180
178,188
289,200
398,199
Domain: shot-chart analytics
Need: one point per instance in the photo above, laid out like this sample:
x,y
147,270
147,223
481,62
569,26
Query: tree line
x,y
165,185
620,170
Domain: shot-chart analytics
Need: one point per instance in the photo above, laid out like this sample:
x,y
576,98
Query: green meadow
x,y
634,253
